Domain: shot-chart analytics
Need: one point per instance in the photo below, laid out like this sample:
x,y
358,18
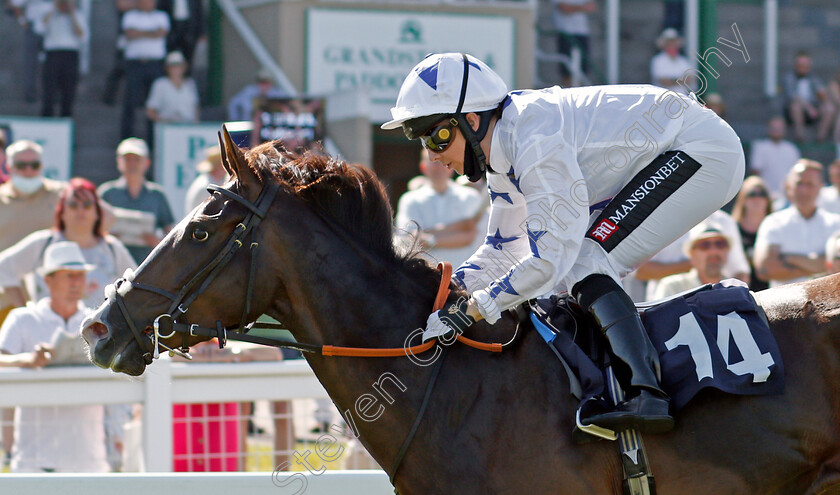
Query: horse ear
x,y
233,159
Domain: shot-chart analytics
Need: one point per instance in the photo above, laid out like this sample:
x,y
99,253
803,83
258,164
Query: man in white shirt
x,y
790,244
572,25
772,158
64,31
707,248
53,439
441,214
587,183
145,49
668,68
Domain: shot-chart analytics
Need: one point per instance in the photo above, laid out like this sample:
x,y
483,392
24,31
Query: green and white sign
x,y
375,50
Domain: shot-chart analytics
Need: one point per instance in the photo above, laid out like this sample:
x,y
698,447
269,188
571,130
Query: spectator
x,y
28,199
145,33
57,438
715,103
572,25
141,207
790,244
806,100
752,205
672,259
669,68
112,82
241,105
174,97
30,15
832,253
441,214
64,31
211,171
772,158
78,218
707,248
187,25
829,198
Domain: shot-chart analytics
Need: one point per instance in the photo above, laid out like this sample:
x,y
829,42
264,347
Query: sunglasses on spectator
x,y
757,193
440,137
708,244
35,165
75,205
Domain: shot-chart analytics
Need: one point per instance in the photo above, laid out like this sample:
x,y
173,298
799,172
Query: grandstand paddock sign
x,y
55,135
352,49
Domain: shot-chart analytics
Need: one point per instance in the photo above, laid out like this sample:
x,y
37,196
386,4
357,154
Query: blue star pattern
x,y
460,273
503,286
533,237
429,75
504,196
512,176
496,240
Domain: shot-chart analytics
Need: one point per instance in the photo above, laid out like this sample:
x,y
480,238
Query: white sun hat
x,y
434,87
64,255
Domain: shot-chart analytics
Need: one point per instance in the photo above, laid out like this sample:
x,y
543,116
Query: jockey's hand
x,y
448,322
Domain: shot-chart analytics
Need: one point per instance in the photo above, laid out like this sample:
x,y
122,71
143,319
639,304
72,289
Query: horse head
x,y
273,240
191,274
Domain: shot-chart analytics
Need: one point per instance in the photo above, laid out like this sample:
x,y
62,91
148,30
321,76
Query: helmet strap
x,y
475,162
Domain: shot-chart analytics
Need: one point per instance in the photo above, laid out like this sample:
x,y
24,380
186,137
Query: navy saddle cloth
x,y
712,337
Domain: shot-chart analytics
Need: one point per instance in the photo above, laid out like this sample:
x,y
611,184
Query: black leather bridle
x,y
165,325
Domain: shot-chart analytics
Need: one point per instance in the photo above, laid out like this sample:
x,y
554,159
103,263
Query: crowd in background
x,y
65,242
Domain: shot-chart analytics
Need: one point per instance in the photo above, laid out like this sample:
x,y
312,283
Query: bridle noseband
x,y
165,325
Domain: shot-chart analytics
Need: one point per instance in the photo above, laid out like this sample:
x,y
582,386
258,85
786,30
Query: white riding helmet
x,y
434,87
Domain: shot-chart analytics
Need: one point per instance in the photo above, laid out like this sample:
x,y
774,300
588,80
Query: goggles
x,y
440,137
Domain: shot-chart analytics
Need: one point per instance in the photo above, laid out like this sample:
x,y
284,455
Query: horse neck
x,y
369,305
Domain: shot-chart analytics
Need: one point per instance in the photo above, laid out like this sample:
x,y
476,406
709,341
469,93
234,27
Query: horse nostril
x,y
98,329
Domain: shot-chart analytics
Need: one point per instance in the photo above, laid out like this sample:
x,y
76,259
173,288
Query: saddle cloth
x,y
714,337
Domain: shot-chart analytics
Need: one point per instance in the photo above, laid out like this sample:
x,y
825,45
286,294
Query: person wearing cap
x,y
707,248
241,105
585,184
173,97
210,171
53,439
668,68
790,243
145,31
133,192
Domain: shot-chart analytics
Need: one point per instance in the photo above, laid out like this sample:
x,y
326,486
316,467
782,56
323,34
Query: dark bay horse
x,y
495,423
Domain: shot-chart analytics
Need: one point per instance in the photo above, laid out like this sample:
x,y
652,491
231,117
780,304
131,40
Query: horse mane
x,y
350,195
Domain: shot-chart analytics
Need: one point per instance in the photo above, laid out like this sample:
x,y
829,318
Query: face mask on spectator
x,y
26,185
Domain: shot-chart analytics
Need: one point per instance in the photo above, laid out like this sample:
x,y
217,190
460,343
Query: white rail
x,y
329,483
163,383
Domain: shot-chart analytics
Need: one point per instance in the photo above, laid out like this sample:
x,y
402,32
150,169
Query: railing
x,y
163,384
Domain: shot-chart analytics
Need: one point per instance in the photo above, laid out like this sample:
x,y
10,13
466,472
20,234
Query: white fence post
x,y
157,417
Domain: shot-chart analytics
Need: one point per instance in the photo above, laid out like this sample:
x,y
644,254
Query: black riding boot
x,y
646,406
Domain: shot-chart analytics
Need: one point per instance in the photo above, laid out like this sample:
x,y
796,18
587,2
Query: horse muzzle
x,y
106,349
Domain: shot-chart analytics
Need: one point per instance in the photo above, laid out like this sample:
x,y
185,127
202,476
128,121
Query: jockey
x,y
585,185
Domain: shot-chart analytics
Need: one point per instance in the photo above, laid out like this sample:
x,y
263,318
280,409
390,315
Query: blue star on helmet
x,y
512,176
496,240
429,75
533,237
504,196
502,286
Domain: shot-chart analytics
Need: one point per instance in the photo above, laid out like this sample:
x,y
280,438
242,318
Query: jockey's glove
x,y
448,322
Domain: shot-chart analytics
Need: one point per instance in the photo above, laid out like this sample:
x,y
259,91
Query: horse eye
x,y
200,235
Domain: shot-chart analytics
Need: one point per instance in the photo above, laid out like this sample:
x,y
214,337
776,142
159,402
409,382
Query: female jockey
x,y
585,185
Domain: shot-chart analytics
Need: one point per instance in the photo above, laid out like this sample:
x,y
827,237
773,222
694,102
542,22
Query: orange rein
x,y
442,294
